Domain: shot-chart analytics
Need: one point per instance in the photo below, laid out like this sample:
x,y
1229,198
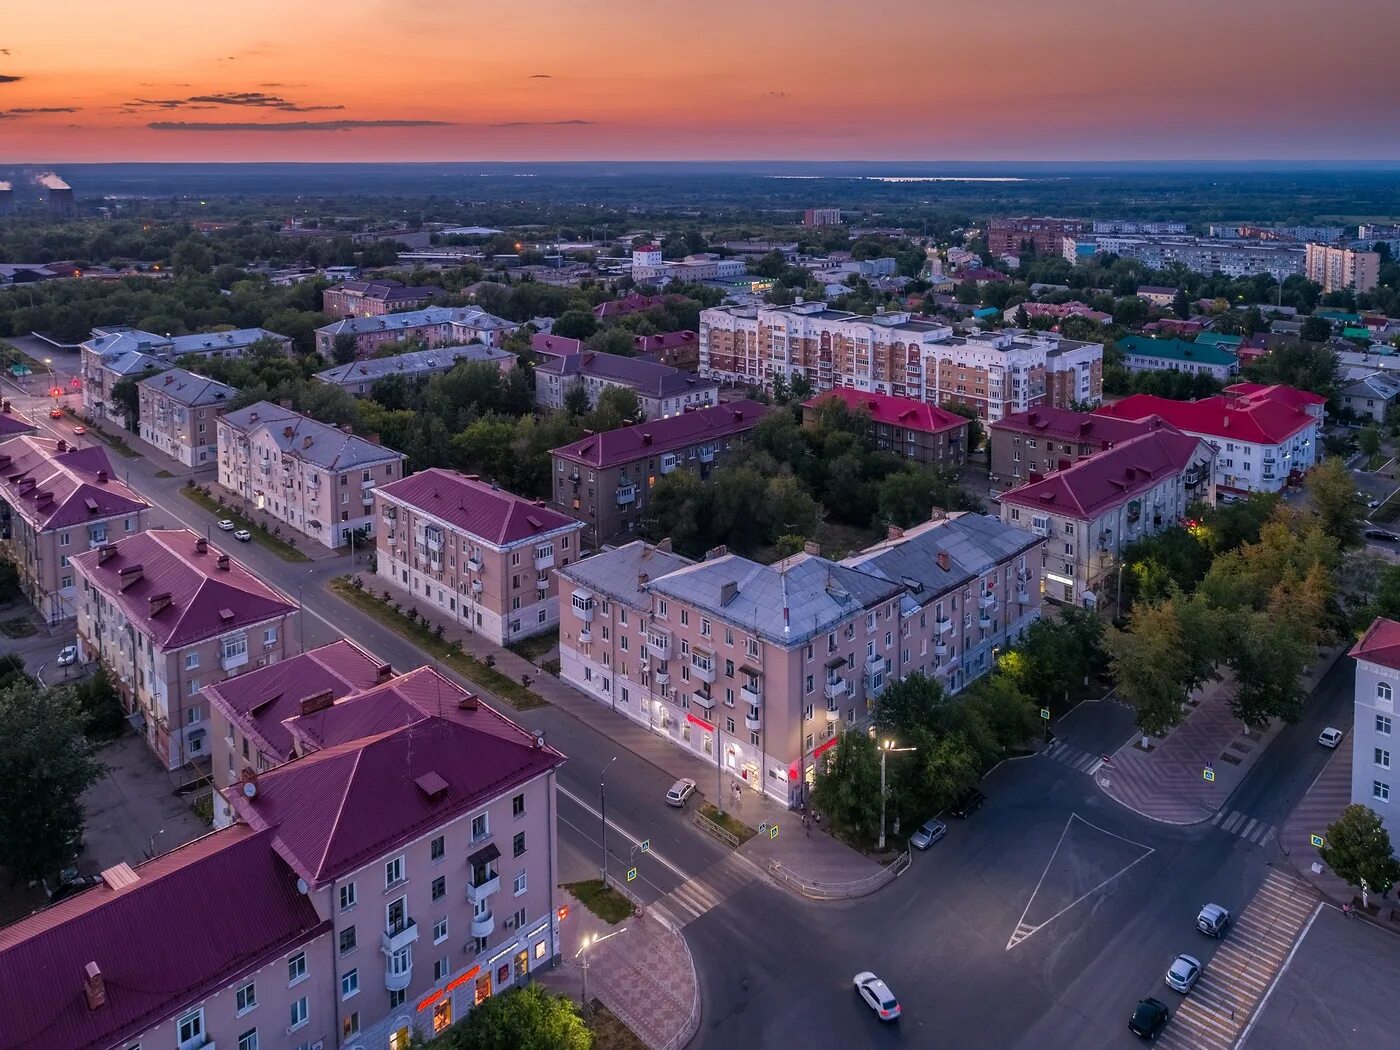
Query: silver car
x,y
927,835
680,791
1182,974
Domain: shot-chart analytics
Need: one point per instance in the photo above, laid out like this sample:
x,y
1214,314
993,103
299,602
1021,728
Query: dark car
x,y
1149,1018
73,883
1380,534
968,804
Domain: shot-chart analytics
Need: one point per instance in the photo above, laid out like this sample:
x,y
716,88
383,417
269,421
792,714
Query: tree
x,y
974,426
617,405
616,340
1149,664
344,348
907,497
1368,439
1023,319
1332,493
1315,330
525,1018
575,324
1307,366
1181,304
97,699
1358,850
45,765
847,787
801,387
576,400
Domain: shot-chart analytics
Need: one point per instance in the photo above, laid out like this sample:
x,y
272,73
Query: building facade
x,y
821,217
374,298
434,326
913,430
1234,258
1177,355
1338,269
483,556
179,411
359,377
1374,753
1372,396
661,389
1028,445
1009,236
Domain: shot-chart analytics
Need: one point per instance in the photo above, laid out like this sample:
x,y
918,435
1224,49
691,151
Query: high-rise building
x,y
1010,236
56,194
822,217
1342,268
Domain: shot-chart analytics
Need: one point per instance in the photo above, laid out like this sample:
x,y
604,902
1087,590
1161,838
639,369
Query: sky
x,y
470,80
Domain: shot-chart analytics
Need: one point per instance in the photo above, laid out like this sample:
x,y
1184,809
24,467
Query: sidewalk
x,y
1329,794
1168,783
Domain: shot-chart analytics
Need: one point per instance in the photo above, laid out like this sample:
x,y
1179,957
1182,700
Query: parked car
x,y
68,657
877,996
680,792
80,431
1182,974
968,804
71,882
1149,1018
226,524
1330,737
1380,534
243,535
1213,920
927,835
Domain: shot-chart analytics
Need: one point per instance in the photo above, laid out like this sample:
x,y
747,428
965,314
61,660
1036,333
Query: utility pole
x,y
603,814
886,747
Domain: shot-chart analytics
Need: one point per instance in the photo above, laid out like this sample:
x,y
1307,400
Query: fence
x,y
708,826
835,891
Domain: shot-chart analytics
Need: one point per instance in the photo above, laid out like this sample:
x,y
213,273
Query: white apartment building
x,y
178,414
1375,753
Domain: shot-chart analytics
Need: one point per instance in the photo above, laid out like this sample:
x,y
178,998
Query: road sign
x,y
631,874
1045,713
1317,841
646,845
1209,775
773,832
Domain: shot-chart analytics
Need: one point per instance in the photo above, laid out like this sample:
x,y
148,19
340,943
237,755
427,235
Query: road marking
x,y
625,834
1216,819
1244,1036
661,891
1249,830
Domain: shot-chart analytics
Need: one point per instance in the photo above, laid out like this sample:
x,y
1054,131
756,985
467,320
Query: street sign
x,y
1209,775
773,832
631,874
646,845
1045,713
1317,841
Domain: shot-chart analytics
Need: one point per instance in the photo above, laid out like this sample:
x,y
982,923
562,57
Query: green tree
x,y
576,401
1181,304
1150,666
1307,366
1358,851
617,340
575,324
1332,494
974,426
1315,330
801,387
96,697
1023,319
847,788
788,508
907,497
344,348
526,1018
1368,439
617,406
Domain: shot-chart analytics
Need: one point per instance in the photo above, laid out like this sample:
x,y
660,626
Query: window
x,y
245,998
1383,691
347,896
517,806
440,931
189,1030
518,846
248,1040
351,1025
350,984
269,636
441,968
438,847
1380,791
194,686
1382,758
520,884
396,999
519,918
393,872
298,1013
1383,725
481,827
191,661
439,888
296,968
348,940
539,949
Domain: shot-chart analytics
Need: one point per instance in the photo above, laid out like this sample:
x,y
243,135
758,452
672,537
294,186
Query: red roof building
x,y
555,346
631,303
907,427
678,349
12,425
1028,445
1380,644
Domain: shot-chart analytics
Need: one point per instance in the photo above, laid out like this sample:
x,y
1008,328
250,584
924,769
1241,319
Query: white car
x,y
243,535
927,835
1330,737
225,525
68,656
877,996
1182,974
680,791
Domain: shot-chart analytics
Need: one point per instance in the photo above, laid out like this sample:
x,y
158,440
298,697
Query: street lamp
x,y
887,747
590,939
603,814
301,612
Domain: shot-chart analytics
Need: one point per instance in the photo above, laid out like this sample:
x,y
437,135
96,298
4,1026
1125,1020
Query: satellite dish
x,y
302,887
250,789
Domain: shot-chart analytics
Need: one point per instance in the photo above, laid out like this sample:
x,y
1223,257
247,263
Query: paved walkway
x,y
1329,794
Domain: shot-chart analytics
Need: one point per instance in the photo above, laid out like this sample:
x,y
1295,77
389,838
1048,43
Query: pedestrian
x,y
807,827
1346,910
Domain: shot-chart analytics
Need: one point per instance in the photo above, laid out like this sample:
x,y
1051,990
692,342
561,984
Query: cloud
x,y
296,125
44,109
540,123
5,79
541,76
253,99
775,94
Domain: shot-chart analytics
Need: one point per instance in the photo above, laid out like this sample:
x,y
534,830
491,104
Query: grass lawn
x,y
1388,511
737,828
534,647
603,901
279,547
19,627
113,441
609,1033
468,666
1377,461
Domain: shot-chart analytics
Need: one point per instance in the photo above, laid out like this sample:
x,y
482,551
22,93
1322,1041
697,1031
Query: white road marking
x,y
625,834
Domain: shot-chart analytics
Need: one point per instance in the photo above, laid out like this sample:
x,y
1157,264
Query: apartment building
x,y
1374,755
317,478
1234,258
169,614
359,377
605,480
1093,509
480,554
55,501
1009,236
914,430
649,268
434,326
1371,396
1026,445
677,349
12,425
401,871
900,354
758,668
1142,354
374,298
661,390
821,217
1341,268
178,414
1267,437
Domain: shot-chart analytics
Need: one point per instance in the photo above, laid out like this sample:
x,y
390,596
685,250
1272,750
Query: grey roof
x,y
471,316
131,362
109,342
646,377
420,362
815,592
189,389
208,342
614,573
330,448
1381,385
974,543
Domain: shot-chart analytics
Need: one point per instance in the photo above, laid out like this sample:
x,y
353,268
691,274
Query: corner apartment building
x,y
1267,437
434,325
317,478
900,354
480,554
913,430
1142,354
758,668
1008,236
661,390
1026,445
374,298
169,614
1374,753
1338,268
359,377
178,414
605,480
400,872
1092,510
56,501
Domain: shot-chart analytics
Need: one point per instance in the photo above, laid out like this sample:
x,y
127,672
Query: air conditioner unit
x,y
510,923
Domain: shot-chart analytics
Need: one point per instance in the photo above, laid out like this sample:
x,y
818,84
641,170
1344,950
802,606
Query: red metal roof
x,y
53,486
664,341
655,436
475,507
555,345
903,412
205,600
1061,424
11,425
194,920
1265,418
1288,395
1380,644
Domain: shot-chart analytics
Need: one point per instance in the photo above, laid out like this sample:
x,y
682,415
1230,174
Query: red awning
x,y
700,722
822,749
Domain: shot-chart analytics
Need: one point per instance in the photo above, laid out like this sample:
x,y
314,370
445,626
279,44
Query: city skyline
x,y
416,82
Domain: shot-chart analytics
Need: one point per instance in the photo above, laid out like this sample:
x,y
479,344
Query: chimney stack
x,y
102,477
663,546
105,551
317,701
894,532
93,987
128,575
159,602
812,547
383,674
944,562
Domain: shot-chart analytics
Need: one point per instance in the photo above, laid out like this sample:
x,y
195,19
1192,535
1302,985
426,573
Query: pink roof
x,y
1264,420
479,509
1287,395
195,920
53,486
631,303
555,346
664,341
1109,478
1061,424
1380,644
12,425
205,600
892,411
628,444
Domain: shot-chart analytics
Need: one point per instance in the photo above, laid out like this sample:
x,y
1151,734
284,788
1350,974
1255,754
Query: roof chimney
x,y
306,441
812,547
201,545
102,477
105,551
468,702
894,532
642,579
159,602
383,674
288,431
663,546
944,562
317,701
222,563
716,552
93,987
728,591
128,575
646,437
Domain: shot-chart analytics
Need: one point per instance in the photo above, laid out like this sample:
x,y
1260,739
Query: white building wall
x,y
1375,760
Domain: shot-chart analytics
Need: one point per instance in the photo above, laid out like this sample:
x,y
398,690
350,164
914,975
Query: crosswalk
x,y
1251,829
1074,758
696,896
1237,976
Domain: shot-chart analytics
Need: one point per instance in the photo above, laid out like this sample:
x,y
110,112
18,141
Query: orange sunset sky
x,y
720,79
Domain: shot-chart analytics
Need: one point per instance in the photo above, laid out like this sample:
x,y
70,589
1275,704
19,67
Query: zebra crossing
x,y
1238,975
696,896
1073,757
1251,829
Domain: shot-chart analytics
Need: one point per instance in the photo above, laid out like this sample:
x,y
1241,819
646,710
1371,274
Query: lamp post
x,y
301,612
887,747
603,814
589,940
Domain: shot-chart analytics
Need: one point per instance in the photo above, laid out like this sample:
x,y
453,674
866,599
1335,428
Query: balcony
x,y
984,620
833,713
367,485
987,601
544,561
1023,595
474,563
542,584
399,936
703,669
707,454
751,720
477,587
943,626
626,494
705,700
659,645
663,676
575,477
585,636
750,693
940,649
836,688
230,661
668,464
483,925
397,979
480,891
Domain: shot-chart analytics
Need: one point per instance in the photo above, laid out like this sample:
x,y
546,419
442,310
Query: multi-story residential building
x,y
478,553
1234,258
1135,226
1143,354
434,326
401,871
1267,437
115,353
605,480
915,430
821,217
358,377
661,390
178,412
1093,509
1372,396
373,298
677,349
169,614
901,354
1342,268
12,425
56,501
649,268
1026,445
1009,236
757,668
317,478
1374,753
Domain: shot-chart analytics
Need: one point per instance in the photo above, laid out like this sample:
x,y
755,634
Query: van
x,y
1213,920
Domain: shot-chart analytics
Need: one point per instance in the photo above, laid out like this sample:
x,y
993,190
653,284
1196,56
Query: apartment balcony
x,y
483,925
644,663
542,584
659,645
585,636
668,464
96,541
474,563
987,601
397,982
836,688
940,649
544,561
705,700
434,543
833,713
232,661
663,676
750,694
984,620
1023,595
1040,528
943,626
707,454
703,669
367,485
626,494
477,587
480,891
367,500
399,936
575,477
